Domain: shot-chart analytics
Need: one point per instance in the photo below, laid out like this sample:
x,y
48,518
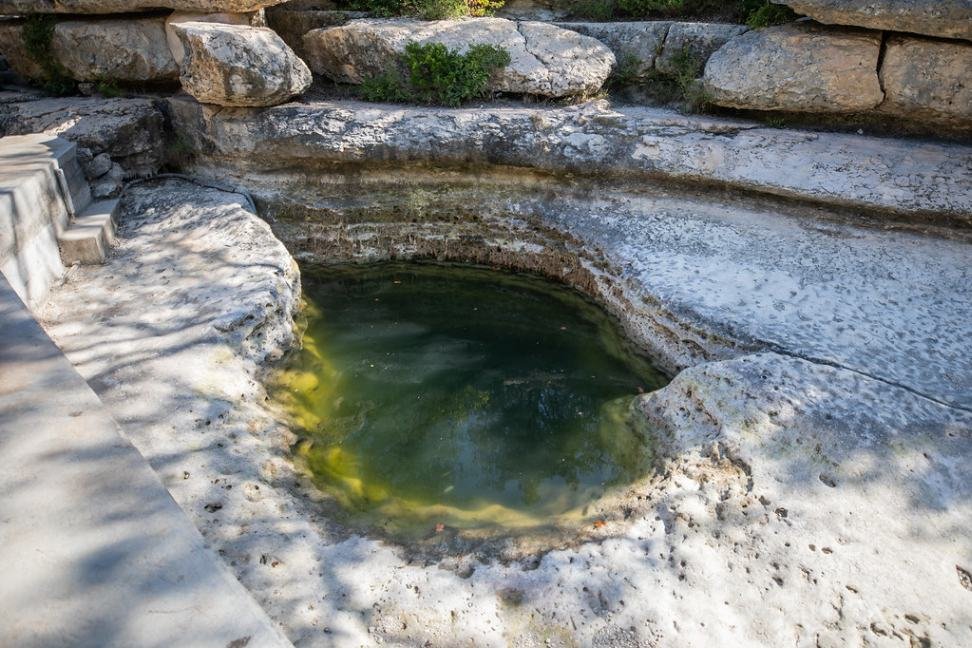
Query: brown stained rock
x,y
928,79
13,49
115,50
800,67
946,18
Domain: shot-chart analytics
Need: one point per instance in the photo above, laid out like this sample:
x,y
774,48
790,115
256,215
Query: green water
x,y
466,397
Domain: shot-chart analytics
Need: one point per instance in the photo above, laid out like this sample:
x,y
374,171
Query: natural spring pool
x,y
430,397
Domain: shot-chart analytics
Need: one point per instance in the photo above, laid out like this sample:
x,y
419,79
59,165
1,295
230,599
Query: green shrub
x,y
641,8
597,10
441,9
438,75
424,9
388,87
770,14
37,34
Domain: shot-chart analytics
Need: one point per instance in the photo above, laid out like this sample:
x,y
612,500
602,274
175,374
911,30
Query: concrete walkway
x,y
95,550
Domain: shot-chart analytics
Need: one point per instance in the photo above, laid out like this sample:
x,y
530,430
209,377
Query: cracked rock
x,y
545,60
802,68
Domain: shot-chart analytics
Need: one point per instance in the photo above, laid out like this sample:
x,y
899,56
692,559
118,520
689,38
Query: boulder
x,y
800,67
928,79
116,50
178,17
693,42
545,60
19,7
635,44
13,49
945,18
235,65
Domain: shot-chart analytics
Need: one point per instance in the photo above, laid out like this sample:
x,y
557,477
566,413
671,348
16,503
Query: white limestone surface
x,y
803,504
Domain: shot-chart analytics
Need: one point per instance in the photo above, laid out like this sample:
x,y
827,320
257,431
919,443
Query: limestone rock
x,y
798,67
545,59
178,17
117,50
635,44
18,7
928,79
128,130
293,22
904,177
233,65
12,48
695,41
946,18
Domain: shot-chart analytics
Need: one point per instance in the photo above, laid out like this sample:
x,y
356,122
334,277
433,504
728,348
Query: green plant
x,y
438,75
597,10
627,72
441,9
679,82
37,34
425,9
640,8
108,88
387,87
768,15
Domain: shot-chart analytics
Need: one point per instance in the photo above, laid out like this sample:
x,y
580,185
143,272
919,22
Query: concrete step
x,y
90,235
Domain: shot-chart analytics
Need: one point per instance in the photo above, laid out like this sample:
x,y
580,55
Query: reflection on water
x,y
460,396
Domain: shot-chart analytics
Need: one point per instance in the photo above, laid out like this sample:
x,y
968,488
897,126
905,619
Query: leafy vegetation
x,y
425,9
770,14
755,13
37,34
438,75
681,81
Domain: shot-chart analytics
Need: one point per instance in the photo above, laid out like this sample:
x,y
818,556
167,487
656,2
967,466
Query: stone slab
x,y
97,553
909,179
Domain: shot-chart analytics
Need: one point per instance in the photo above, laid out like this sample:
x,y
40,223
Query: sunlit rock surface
x,y
545,59
797,67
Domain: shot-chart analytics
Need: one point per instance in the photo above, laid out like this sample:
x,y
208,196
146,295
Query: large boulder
x,y
928,79
116,50
544,59
19,7
254,19
236,65
800,67
946,18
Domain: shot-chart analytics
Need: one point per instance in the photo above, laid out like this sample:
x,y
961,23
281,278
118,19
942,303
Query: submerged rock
x,y
235,65
797,67
946,18
545,60
115,50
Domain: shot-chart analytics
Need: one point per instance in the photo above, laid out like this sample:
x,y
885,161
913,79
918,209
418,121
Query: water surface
x,y
430,395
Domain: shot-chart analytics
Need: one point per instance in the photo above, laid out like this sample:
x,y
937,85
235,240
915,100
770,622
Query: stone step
x,y
89,236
